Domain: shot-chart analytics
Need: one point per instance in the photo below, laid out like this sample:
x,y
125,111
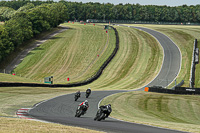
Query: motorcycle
x,y
88,93
101,114
76,96
81,110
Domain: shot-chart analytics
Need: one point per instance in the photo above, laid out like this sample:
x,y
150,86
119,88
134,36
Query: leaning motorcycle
x,y
81,110
76,96
87,93
101,114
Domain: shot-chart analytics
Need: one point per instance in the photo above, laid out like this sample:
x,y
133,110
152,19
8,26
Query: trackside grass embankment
x,y
180,112
71,54
8,125
137,62
136,48
183,36
13,78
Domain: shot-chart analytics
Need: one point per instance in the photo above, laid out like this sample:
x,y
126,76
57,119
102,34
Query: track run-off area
x,y
61,109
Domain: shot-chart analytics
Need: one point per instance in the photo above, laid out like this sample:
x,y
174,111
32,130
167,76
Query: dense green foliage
x,y
108,11
25,19
26,22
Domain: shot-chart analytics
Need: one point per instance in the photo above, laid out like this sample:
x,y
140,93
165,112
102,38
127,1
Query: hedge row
x,y
87,81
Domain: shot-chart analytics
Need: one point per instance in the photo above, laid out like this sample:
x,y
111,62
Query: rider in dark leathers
x,y
77,95
88,91
108,108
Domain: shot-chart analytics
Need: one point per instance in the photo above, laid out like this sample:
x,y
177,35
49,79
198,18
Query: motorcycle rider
x,y
108,108
88,91
78,93
84,103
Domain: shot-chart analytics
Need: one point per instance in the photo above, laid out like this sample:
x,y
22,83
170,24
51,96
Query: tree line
x,y
136,12
26,22
24,18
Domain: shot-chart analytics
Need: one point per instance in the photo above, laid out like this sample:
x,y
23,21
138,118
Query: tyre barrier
x,y
177,90
85,82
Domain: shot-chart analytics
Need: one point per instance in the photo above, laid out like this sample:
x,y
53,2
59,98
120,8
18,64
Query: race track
x,y
172,59
62,109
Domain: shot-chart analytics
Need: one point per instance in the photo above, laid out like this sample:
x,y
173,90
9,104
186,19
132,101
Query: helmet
x,y
86,102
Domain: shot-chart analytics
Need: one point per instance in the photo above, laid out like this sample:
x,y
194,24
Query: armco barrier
x,y
178,90
87,81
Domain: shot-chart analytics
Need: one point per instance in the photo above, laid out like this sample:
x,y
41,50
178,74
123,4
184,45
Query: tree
x,y
6,46
19,28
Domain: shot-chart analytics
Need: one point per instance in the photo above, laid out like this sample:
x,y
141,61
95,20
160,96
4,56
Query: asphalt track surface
x,y
172,59
62,109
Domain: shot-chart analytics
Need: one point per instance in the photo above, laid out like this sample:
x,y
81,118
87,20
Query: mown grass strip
x,y
169,111
68,55
132,67
9,125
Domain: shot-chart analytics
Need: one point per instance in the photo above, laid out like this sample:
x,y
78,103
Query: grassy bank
x,y
183,36
14,78
137,62
71,54
132,67
180,112
8,125
123,73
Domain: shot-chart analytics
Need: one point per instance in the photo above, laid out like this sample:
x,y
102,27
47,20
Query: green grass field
x,y
132,67
180,112
73,54
8,125
124,72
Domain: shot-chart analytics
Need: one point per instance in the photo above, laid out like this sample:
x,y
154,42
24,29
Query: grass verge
x,y
8,125
14,98
179,112
71,54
